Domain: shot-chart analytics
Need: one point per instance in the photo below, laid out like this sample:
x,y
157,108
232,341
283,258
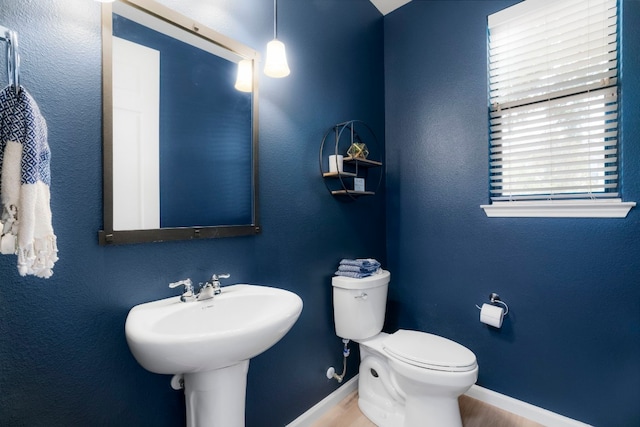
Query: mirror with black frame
x,y
180,141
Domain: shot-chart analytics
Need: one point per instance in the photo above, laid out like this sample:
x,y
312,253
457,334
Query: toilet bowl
x,y
408,378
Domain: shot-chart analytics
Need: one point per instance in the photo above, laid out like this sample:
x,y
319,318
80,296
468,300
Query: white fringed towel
x,y
25,178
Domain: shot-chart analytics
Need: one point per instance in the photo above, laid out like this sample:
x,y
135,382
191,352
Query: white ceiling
x,y
388,6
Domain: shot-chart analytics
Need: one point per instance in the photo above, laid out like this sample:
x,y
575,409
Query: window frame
x,y
581,207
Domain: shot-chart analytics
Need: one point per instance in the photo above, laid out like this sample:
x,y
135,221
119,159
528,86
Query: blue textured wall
x,y
64,360
571,342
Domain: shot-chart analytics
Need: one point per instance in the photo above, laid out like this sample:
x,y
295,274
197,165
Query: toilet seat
x,y
429,351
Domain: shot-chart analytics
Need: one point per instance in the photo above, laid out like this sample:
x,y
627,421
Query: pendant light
x,y
276,63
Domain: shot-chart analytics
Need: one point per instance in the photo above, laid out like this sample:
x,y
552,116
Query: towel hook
x,y
13,57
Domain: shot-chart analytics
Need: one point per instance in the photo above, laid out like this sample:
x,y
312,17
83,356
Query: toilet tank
x,y
359,305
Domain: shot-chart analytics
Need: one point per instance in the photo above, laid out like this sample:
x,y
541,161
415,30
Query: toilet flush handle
x,y
362,296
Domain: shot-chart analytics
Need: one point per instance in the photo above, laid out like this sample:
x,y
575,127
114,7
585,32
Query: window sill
x,y
614,208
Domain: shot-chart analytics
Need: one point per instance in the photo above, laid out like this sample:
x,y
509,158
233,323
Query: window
x,y
553,109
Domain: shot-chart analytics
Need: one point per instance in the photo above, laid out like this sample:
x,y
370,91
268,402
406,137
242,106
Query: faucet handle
x,y
186,283
215,282
188,289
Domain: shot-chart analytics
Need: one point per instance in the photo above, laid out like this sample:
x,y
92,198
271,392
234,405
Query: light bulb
x,y
244,82
276,63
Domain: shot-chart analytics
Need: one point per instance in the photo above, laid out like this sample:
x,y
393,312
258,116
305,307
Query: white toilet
x,y
408,378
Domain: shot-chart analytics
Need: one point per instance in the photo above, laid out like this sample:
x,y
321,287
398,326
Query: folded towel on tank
x,y
353,274
358,268
355,269
361,262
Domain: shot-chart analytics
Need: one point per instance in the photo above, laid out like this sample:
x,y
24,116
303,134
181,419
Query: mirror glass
x,y
180,141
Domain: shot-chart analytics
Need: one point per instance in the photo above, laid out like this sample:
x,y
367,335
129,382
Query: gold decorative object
x,y
358,150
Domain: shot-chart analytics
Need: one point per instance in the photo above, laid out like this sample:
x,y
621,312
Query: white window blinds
x,y
553,100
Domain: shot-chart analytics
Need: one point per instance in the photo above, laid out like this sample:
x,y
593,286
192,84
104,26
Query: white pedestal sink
x,y
210,343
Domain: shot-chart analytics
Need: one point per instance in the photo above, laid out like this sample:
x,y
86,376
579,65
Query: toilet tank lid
x,y
429,351
373,281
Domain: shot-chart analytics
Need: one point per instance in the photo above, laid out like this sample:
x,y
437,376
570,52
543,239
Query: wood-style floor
x,y
474,414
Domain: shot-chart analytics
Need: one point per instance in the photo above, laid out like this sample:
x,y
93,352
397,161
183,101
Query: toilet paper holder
x,y
495,299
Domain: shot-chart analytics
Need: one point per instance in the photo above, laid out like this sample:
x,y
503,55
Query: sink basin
x,y
171,337
207,345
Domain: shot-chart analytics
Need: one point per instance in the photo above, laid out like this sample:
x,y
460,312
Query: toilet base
x,y
378,396
380,417
432,412
417,413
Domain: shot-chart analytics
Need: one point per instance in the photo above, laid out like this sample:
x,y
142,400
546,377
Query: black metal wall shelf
x,y
337,141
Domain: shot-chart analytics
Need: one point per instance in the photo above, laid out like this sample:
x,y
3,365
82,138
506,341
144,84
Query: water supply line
x,y
331,372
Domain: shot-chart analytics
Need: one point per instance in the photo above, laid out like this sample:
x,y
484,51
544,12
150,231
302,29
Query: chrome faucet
x,y
188,294
207,291
212,287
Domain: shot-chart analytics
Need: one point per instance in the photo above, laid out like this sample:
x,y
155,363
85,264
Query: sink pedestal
x,y
216,398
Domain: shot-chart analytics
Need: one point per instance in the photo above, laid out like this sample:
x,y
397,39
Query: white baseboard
x,y
485,395
325,405
523,409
